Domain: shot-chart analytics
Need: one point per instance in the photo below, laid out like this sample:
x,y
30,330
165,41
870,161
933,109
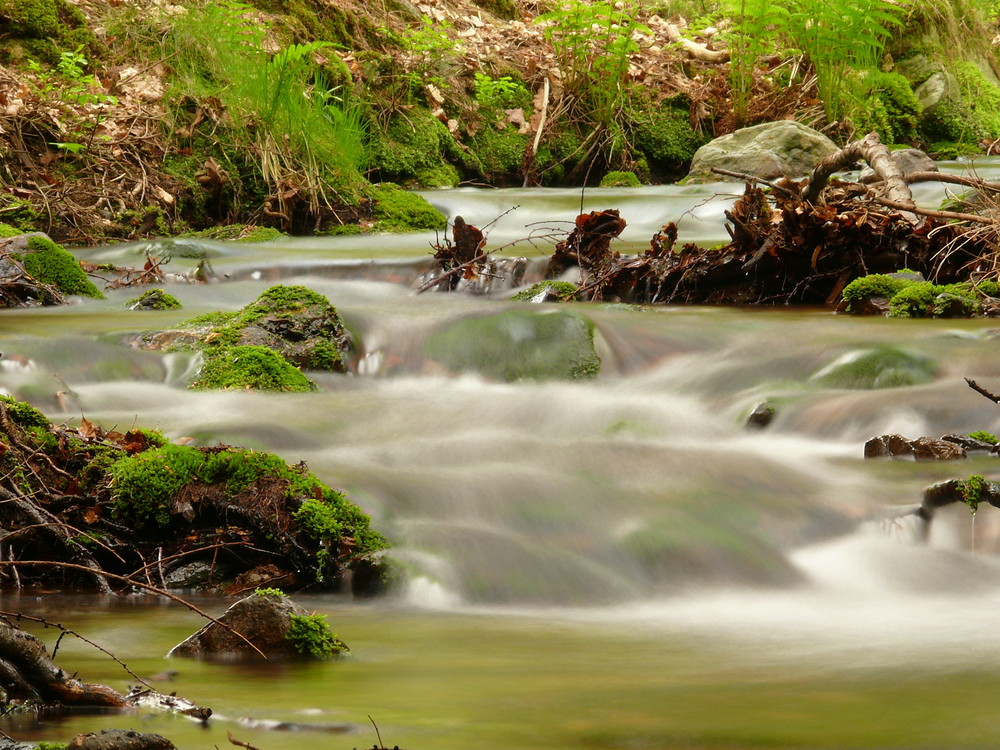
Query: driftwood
x,y
879,158
695,50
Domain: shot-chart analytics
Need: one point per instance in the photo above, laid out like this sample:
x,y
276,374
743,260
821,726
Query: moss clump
x,y
501,153
984,436
563,290
50,264
890,108
396,210
871,286
410,147
24,414
143,485
972,491
6,230
663,133
879,367
42,28
249,368
311,636
915,300
970,117
273,593
153,299
620,180
519,344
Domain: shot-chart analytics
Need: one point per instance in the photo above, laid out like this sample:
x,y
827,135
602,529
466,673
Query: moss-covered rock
x,y
519,344
237,233
547,291
153,299
398,210
249,368
51,264
907,295
878,367
620,180
40,29
969,112
889,107
412,150
662,132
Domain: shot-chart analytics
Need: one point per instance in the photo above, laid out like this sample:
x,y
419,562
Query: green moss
x,y
970,117
500,152
442,176
238,233
397,210
972,491
889,107
916,300
153,299
879,367
212,319
412,145
50,264
249,368
6,230
143,485
620,180
872,285
986,437
44,27
331,517
23,414
662,132
519,344
564,290
273,593
312,637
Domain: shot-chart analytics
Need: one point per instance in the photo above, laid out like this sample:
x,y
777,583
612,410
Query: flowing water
x,y
615,563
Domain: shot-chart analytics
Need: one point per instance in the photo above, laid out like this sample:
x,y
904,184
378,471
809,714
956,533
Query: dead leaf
x,y
87,430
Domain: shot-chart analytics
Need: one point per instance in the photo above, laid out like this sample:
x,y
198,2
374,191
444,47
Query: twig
x,y
123,579
19,616
377,734
979,389
240,743
753,178
932,213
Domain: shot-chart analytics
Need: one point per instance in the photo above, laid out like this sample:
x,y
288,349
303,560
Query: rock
x,y
938,88
119,739
192,575
878,367
265,619
908,159
776,149
894,446
761,416
519,344
970,444
932,449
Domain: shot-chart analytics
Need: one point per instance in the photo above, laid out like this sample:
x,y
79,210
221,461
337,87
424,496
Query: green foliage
x,y
50,264
972,491
312,637
397,210
593,43
620,180
563,289
498,94
153,299
289,125
333,517
984,436
756,24
143,485
249,368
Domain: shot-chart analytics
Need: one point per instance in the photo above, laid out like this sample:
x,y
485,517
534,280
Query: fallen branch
x,y
946,215
979,389
695,50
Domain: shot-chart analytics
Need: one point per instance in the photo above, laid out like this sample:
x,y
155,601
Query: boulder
x,y
777,149
893,446
265,619
932,449
922,449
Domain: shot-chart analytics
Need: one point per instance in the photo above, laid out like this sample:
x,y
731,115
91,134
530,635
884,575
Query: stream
x,y
611,563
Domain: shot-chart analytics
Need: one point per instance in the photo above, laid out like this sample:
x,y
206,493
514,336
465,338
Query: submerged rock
x,y
519,344
119,739
878,367
273,623
34,270
777,149
922,449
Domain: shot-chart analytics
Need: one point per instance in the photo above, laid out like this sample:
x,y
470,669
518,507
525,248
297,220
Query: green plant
x,y
311,636
500,93
593,43
756,24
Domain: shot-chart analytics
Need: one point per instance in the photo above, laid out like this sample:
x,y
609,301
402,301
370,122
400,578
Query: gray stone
x,y
120,739
776,149
936,89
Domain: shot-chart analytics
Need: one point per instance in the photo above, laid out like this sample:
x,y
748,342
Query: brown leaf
x,y
87,430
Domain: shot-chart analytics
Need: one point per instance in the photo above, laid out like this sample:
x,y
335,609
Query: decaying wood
x,y
693,48
982,391
878,157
